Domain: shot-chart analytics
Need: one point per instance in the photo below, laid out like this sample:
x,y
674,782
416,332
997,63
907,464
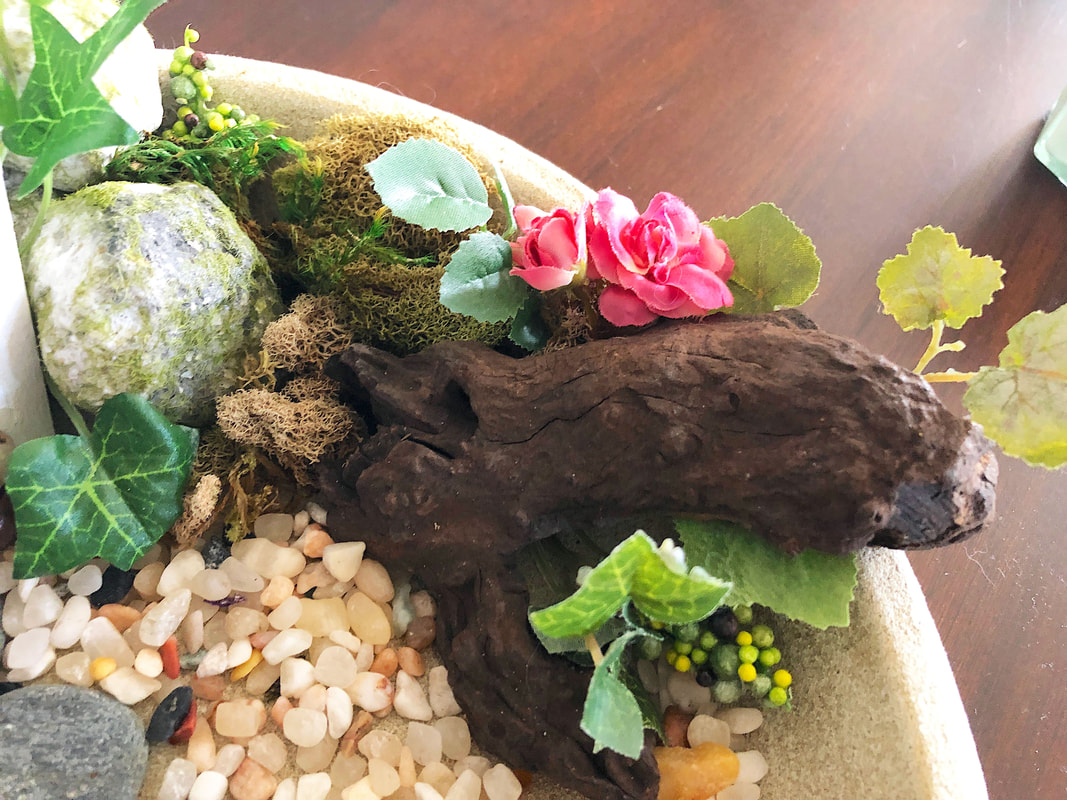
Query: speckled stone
x,y
61,742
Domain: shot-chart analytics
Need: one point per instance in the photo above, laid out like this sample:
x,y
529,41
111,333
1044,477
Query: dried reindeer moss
x,y
308,335
199,507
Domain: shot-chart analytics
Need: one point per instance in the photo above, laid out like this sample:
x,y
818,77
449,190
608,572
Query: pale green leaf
x,y
429,184
673,597
477,280
813,587
1022,404
775,265
611,715
937,280
111,495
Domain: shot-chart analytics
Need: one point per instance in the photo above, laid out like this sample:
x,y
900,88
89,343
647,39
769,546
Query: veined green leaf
x,y
813,587
429,184
937,280
673,597
611,715
476,280
112,495
775,265
61,112
1022,404
9,103
528,329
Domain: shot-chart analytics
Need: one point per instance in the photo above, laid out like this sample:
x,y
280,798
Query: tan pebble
x,y
424,791
347,769
359,728
241,718
455,737
210,687
261,678
467,787
287,790
73,668
269,750
317,757
320,617
347,640
122,617
269,559
381,744
420,633
314,576
273,527
372,578
243,622
384,779
313,697
201,747
148,662
360,790
705,728
215,630
383,713
479,765
281,707
423,604
406,768
193,631
146,581
411,661
277,591
367,619
344,559
261,639
301,519
286,615
753,766
676,726
500,783
439,776
314,540
252,781
386,662
304,727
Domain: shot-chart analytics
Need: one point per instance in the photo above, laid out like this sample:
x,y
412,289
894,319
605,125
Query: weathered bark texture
x,y
804,437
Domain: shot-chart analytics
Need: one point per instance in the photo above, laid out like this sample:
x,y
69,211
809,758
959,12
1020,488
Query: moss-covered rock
x,y
148,289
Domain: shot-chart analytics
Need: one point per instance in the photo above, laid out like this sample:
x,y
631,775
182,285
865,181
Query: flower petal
x,y
544,279
621,308
525,216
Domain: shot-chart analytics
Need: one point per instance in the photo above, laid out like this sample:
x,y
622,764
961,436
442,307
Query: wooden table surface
x,y
863,121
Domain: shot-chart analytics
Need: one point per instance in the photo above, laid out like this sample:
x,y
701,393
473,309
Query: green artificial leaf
x,y
775,265
605,590
9,103
612,716
429,184
477,280
576,646
813,587
112,494
528,329
662,592
61,112
1022,404
937,281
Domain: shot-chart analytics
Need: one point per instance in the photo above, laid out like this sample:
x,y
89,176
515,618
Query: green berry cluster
x,y
731,655
193,92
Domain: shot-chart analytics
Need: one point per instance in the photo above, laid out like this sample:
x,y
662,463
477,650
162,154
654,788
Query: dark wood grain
x,y
863,121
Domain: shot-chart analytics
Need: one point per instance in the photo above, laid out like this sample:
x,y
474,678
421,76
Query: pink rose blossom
x,y
662,263
550,251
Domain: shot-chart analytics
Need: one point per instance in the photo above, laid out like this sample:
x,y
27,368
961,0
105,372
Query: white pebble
x,y
193,631
686,692
177,780
287,643
148,662
43,607
297,676
209,785
479,765
158,624
269,751
500,783
100,639
211,584
403,611
268,559
424,791
73,668
373,580
424,742
129,686
314,697
286,790
239,651
317,512
27,648
304,727
339,711
25,586
455,737
146,582
742,720
346,770
229,758
384,779
360,790
347,640
86,580
365,657
314,786
343,559
753,766
301,519
241,621
467,787
442,701
739,791
708,729
385,745
317,757
35,670
215,662
335,666
11,620
242,579
371,691
274,527
179,572
285,615
68,628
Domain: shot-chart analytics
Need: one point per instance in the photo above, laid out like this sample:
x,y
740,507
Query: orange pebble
x,y
100,668
281,707
385,663
241,670
172,667
315,539
697,773
122,617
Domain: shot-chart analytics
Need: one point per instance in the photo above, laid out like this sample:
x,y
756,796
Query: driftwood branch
x,y
804,437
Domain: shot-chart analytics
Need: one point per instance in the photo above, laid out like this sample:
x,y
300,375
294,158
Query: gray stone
x,y
66,743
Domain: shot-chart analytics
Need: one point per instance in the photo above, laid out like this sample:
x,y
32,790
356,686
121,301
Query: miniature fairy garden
x,y
379,483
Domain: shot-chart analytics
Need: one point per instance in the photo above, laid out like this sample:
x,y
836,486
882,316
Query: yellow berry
x,y
672,656
184,111
747,673
682,663
216,122
224,109
206,92
243,669
782,678
188,70
179,128
192,35
176,67
100,668
744,638
231,123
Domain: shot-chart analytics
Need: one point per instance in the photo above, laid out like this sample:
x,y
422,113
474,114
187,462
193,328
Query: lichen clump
x,y
148,289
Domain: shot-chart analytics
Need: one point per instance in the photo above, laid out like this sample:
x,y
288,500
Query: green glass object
x,y
1051,146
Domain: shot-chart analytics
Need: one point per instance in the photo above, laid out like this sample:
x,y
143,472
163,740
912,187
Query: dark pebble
x,y
723,624
215,551
420,633
169,714
116,585
9,686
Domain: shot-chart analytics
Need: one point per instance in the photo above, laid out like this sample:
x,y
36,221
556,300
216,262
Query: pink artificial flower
x,y
662,263
550,251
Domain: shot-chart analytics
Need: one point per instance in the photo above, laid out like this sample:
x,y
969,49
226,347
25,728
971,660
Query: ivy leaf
x,y
477,280
1022,404
813,587
429,184
937,281
674,597
611,715
61,112
112,494
775,265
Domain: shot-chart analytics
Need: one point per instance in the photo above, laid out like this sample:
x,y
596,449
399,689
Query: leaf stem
x,y
594,649
935,348
38,221
68,408
949,376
